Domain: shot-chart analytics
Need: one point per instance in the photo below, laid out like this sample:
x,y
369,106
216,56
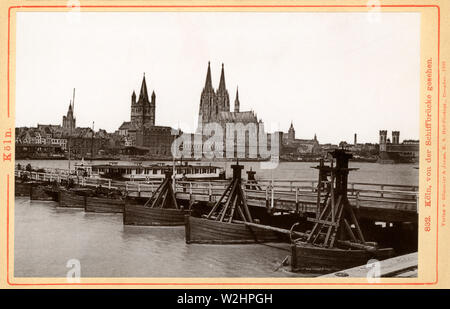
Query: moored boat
x,y
71,199
307,257
104,204
52,191
22,188
160,209
143,215
38,192
227,222
206,231
141,172
336,240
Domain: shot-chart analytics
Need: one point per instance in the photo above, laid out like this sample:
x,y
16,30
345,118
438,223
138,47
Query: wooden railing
x,y
274,194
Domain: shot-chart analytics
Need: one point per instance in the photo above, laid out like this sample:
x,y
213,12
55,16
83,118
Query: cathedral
x,y
215,104
215,108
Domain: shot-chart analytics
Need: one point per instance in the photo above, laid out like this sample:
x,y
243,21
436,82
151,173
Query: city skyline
x,y
269,80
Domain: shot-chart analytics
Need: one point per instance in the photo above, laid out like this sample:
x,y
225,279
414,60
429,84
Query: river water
x,y
405,174
47,237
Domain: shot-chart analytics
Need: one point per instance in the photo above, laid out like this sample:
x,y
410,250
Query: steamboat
x,y
141,172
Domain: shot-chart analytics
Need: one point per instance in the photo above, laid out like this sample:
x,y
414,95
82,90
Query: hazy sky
x,y
333,74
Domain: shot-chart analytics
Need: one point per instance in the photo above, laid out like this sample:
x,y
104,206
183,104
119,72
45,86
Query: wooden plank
x,y
388,268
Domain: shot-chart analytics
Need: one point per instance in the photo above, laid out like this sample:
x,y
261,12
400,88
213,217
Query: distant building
x,y
215,108
140,135
215,105
37,151
69,121
143,110
123,129
396,152
157,139
295,147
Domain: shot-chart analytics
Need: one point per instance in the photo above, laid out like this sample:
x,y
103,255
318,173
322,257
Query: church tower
x,y
207,101
236,102
291,132
69,121
223,99
143,110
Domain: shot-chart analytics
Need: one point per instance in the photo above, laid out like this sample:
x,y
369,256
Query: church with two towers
x,y
215,104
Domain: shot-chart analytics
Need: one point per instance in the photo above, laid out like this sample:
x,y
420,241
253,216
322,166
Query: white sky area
x,y
333,74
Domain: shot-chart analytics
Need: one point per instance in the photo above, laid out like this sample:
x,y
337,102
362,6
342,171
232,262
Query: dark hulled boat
x,y
146,216
306,257
52,191
104,204
71,199
206,231
161,209
226,223
336,241
22,188
38,192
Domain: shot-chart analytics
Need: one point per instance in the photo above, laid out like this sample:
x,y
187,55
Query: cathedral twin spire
x,y
212,101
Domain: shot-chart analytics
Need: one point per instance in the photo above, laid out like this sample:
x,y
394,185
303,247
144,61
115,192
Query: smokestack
x,y
355,140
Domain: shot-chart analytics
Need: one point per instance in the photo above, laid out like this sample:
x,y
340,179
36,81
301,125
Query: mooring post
x,y
272,197
209,191
251,181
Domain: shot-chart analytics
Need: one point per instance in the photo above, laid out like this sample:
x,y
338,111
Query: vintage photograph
x,y
216,144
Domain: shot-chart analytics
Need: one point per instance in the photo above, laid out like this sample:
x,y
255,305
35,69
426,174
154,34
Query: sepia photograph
x,y
227,144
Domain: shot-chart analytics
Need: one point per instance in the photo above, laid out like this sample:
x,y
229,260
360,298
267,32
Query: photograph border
x,y
10,282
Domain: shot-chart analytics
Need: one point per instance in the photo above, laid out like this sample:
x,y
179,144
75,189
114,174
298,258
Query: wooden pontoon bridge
x,y
374,201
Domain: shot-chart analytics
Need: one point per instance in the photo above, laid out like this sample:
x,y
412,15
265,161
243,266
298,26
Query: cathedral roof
x,y
244,117
125,125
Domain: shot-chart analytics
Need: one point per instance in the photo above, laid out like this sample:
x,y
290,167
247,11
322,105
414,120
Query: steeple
x,y
133,97
223,100
73,100
291,132
143,95
153,97
208,81
222,86
236,101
